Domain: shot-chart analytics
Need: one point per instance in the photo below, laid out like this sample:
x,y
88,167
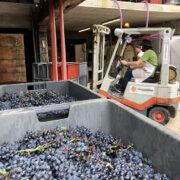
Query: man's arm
x,y
135,64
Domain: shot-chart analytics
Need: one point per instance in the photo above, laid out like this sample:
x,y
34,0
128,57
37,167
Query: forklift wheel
x,y
160,115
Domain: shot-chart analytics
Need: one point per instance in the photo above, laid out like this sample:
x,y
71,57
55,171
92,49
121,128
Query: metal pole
x,y
34,38
165,59
34,43
53,40
63,45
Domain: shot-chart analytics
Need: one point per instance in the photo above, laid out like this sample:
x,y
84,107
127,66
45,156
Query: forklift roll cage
x,y
166,33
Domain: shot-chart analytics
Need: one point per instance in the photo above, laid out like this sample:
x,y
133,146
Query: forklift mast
x,y
99,32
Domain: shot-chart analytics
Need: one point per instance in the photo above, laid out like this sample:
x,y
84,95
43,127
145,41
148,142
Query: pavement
x,y
174,123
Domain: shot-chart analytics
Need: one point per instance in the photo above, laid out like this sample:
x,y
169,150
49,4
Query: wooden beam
x,y
68,5
43,44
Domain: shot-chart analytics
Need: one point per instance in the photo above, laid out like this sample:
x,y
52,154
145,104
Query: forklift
x,y
157,97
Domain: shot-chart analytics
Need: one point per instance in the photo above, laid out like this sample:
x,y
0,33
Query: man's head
x,y
147,44
138,48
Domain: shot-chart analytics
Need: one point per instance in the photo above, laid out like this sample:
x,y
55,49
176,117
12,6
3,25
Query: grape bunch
x,y
73,154
32,98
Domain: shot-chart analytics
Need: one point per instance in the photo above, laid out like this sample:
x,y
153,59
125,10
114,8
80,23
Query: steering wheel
x,y
116,71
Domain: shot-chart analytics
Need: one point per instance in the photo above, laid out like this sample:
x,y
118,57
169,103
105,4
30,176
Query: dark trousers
x,y
127,77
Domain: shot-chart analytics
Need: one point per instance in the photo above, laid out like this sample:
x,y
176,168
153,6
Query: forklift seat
x,y
156,76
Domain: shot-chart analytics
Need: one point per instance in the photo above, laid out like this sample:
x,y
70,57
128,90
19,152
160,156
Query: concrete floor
x,y
174,124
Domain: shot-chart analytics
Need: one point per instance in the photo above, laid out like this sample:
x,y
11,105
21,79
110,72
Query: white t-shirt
x,y
140,74
140,54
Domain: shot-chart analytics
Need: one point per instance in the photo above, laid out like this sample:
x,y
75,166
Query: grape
x,y
76,154
32,98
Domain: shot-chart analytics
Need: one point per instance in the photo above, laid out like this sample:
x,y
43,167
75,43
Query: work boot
x,y
117,88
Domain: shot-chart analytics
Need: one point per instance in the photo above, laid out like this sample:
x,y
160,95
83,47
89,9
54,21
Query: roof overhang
x,y
97,12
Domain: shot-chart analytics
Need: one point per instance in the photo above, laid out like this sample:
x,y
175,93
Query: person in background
x,y
141,69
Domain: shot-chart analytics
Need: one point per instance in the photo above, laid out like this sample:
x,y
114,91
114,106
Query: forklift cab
x,y
157,97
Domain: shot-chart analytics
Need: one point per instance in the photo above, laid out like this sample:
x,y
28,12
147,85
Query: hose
x,y
120,13
147,18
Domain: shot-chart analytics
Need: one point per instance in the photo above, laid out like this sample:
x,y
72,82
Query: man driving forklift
x,y
156,97
141,69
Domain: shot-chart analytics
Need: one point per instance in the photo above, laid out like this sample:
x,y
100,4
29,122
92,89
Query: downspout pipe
x,y
53,40
34,42
63,44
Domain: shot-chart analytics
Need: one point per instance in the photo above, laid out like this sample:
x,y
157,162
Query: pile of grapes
x,y
32,98
73,154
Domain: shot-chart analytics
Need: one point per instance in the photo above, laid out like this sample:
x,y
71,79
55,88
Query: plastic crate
x,y
72,71
154,140
83,70
41,71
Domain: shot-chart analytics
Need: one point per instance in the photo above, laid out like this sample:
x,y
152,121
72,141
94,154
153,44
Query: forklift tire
x,y
160,115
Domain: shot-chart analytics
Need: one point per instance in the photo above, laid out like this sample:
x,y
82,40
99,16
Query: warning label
x,y
141,90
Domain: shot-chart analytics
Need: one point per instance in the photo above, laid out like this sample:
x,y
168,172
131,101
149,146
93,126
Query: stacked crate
x,y
42,71
12,59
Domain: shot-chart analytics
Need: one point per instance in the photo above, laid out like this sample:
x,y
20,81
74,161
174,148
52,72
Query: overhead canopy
x,y
97,12
80,15
19,15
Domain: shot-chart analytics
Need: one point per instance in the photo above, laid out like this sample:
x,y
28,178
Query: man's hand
x,y
123,62
135,64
